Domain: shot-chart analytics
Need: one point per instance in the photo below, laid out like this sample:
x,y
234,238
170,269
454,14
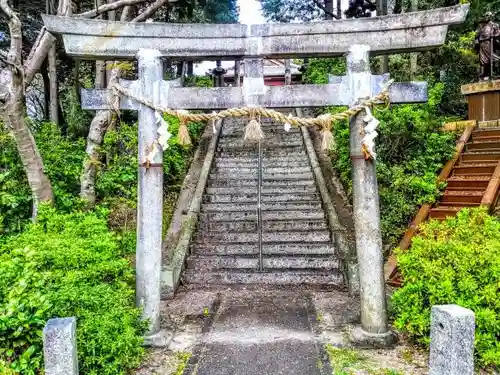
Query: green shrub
x,y
456,261
69,265
198,81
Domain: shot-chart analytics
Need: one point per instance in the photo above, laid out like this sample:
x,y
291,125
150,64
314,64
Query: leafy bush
x,y
198,81
456,261
68,265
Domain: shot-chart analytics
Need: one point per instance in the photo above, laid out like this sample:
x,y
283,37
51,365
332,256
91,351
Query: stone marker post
x,y
59,347
150,195
374,329
452,341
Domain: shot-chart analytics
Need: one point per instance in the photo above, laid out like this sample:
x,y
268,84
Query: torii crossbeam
x,y
410,32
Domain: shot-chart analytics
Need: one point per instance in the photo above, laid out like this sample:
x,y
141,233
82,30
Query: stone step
x,y
229,216
266,190
205,263
271,277
317,248
272,138
294,225
266,206
263,124
265,154
234,173
276,150
248,198
267,225
220,164
266,215
233,183
303,214
237,145
271,134
268,159
269,182
300,262
265,170
310,236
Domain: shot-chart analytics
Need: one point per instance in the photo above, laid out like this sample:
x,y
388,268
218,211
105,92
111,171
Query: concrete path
x,y
261,334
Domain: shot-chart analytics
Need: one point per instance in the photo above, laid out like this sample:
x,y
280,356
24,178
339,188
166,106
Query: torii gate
x,y
359,38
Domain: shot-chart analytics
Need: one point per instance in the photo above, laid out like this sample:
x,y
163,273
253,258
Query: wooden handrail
x,y
491,194
423,212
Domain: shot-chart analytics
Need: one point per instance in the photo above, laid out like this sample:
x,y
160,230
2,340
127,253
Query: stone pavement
x,y
257,331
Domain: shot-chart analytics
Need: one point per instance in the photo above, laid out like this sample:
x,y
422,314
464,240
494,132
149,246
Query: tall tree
x,y
14,100
299,10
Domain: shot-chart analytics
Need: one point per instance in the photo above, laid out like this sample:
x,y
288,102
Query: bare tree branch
x,y
150,11
323,8
114,6
3,55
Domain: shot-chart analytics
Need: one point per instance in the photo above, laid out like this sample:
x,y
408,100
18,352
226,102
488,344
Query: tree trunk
x,y
98,127
52,62
76,81
14,116
414,56
384,60
398,7
339,9
109,64
54,100
111,13
46,90
100,65
329,10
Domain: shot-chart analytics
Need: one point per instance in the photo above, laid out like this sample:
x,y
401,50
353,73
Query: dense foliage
x,y
456,261
69,265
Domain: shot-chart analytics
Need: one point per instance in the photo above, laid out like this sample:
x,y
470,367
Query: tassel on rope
x,y
253,130
287,125
214,120
327,142
183,136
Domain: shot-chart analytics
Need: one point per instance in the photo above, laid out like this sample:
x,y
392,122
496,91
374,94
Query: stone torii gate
x,y
359,38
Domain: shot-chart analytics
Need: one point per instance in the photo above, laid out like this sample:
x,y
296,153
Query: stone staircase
x,y
287,241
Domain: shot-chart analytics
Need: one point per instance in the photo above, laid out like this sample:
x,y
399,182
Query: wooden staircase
x,y
473,179
470,176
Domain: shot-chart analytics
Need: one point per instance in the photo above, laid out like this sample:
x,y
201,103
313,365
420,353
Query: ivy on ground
x,y
69,265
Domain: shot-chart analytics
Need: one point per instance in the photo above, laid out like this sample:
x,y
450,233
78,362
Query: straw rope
x,y
253,131
321,120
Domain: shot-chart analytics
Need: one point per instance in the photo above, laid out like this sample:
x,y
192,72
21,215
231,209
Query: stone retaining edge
x,y
339,232
178,239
